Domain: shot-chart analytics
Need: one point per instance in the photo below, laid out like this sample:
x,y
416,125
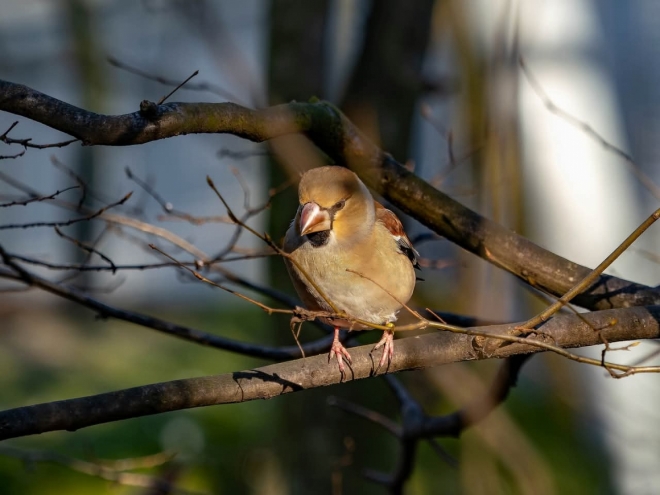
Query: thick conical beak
x,y
314,219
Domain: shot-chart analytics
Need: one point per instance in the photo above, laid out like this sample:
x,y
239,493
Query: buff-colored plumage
x,y
353,249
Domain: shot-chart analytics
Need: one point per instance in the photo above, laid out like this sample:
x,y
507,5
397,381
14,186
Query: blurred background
x,y
526,111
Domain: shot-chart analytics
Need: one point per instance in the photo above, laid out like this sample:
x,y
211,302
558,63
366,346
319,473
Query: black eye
x,y
339,205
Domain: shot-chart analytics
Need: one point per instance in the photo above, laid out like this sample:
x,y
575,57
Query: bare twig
x,y
201,258
38,199
64,223
85,262
12,157
556,347
69,172
179,331
167,207
11,127
271,244
217,90
201,277
27,143
586,282
402,303
82,267
167,96
88,249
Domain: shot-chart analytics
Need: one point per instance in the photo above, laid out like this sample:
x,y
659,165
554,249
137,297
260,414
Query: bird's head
x,y
334,199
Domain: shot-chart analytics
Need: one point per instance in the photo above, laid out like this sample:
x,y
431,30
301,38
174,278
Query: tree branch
x,y
344,143
293,376
152,122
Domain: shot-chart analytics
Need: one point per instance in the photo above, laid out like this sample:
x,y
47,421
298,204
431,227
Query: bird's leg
x,y
337,349
387,343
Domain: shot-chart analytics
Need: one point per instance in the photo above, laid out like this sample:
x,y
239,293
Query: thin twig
x,y
87,248
186,333
270,243
403,304
96,214
217,90
12,157
167,207
201,277
626,370
27,143
82,267
586,282
164,98
37,199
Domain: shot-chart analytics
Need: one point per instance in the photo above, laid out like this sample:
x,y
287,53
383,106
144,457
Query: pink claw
x,y
387,343
340,351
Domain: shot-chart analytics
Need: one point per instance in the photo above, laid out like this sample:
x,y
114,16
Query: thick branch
x,y
292,376
341,140
151,123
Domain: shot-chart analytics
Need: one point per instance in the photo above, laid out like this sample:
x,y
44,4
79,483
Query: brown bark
x,y
293,376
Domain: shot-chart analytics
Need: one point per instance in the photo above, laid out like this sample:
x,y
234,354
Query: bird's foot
x,y
338,350
387,343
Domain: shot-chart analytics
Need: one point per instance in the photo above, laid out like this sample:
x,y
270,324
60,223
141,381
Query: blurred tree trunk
x,y
295,73
490,126
381,97
382,93
92,93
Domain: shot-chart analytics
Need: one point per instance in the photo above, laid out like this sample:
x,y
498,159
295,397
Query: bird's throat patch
x,y
318,239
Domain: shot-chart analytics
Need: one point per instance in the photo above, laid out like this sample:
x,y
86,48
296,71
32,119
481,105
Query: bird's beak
x,y
314,219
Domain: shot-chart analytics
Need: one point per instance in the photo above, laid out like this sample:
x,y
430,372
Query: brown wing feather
x,y
395,227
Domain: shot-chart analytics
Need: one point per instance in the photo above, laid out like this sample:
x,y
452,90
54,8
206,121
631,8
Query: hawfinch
x,y
355,252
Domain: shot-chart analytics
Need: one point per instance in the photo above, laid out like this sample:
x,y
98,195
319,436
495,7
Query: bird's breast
x,y
369,284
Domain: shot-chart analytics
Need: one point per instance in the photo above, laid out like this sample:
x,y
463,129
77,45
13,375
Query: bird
x,y
348,254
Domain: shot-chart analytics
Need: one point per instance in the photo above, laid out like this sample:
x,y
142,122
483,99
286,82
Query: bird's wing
x,y
395,227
